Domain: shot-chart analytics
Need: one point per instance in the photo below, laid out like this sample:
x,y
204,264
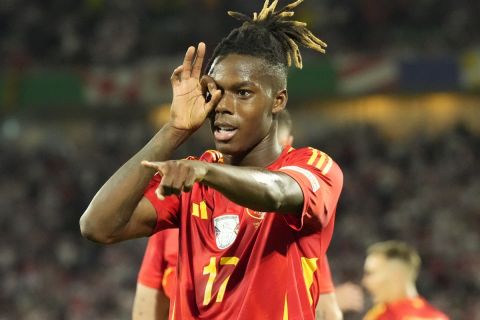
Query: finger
x,y
166,184
216,97
189,181
180,176
175,78
204,82
187,63
159,194
154,165
197,65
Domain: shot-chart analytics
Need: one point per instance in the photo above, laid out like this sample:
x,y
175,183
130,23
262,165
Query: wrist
x,y
208,173
171,137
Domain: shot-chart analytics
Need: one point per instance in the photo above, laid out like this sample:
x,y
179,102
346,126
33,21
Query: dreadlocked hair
x,y
270,35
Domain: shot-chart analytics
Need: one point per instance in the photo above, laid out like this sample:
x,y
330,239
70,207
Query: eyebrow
x,y
245,84
236,85
241,84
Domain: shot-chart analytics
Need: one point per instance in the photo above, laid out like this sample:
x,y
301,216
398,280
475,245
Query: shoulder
x,y
315,161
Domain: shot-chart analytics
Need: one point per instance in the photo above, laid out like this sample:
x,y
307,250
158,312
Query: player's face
x,y
243,117
377,277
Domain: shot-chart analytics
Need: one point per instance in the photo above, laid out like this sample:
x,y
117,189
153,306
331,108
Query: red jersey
x,y
159,262
326,283
236,263
406,309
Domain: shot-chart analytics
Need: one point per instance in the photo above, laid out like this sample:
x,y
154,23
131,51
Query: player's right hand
x,y
190,107
177,175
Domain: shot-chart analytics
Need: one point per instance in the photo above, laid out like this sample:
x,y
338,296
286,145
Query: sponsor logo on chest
x,y
226,230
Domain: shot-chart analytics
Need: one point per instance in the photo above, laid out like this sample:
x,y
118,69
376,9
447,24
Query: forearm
x,y
149,304
327,308
113,205
256,188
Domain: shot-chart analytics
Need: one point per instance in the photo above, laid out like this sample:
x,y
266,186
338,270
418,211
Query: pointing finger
x,y
154,165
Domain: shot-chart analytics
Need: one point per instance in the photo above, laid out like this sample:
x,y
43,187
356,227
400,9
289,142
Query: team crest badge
x,y
226,230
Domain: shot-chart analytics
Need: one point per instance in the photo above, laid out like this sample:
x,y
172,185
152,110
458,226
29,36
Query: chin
x,y
226,148
231,148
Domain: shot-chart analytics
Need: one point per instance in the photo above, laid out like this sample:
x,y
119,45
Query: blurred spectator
x,y
117,32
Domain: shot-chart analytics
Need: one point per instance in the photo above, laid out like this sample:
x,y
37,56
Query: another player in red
x,y
156,279
391,269
255,221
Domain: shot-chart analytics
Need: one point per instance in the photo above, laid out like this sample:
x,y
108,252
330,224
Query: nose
x,y
225,105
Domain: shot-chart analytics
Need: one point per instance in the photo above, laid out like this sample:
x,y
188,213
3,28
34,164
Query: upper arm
x,y
291,195
142,222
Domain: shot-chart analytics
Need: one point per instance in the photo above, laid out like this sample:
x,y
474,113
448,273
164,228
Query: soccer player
x,y
156,280
254,221
390,272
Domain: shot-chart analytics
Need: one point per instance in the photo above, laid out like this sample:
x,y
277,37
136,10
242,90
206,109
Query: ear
x,y
280,102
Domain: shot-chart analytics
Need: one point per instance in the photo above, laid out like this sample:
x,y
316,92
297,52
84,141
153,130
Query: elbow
x,y
275,199
90,230
285,197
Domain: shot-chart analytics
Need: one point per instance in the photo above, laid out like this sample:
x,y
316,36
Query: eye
x,y
244,93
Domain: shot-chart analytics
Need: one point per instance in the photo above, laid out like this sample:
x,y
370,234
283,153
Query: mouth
x,y
224,132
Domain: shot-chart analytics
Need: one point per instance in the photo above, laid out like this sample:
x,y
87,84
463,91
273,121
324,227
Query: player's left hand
x,y
177,175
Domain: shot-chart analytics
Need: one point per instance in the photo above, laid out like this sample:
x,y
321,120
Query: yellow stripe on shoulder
x,y
328,166
323,161
313,156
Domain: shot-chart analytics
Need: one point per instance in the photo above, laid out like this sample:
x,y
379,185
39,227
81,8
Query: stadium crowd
x,y
113,32
423,190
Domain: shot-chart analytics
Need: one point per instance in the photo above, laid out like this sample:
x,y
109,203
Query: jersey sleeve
x,y
159,262
326,282
167,209
321,181
151,270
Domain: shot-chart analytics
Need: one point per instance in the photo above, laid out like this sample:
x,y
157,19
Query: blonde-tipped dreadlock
x,y
288,32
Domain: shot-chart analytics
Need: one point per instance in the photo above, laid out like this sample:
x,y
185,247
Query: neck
x,y
262,154
409,291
